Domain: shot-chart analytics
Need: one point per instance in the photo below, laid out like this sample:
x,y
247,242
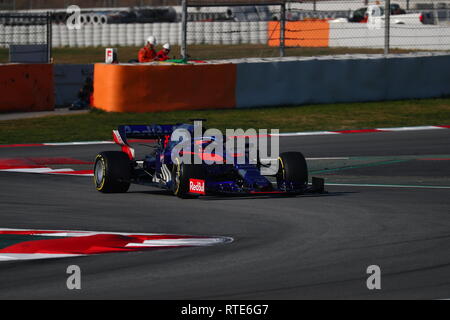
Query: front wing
x,y
204,188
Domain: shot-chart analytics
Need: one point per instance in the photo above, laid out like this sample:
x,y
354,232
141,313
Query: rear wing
x,y
145,132
161,133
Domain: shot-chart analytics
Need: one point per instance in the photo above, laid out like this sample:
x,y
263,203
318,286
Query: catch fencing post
x,y
184,20
282,29
387,28
49,36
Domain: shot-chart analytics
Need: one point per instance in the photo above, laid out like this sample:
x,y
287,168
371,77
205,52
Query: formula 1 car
x,y
114,172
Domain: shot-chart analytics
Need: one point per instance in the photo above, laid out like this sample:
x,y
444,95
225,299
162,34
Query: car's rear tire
x,y
293,169
182,173
112,171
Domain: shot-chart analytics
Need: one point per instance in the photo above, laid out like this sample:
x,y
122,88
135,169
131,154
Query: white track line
x,y
292,134
86,143
412,128
299,134
65,172
330,158
36,170
312,159
35,256
319,133
180,242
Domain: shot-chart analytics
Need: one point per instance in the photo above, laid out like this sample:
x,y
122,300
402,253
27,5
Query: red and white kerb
x,y
18,244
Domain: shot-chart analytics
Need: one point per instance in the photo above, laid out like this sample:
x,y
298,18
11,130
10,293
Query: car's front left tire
x,y
112,171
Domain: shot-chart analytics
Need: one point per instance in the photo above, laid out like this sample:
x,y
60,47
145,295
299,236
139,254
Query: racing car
x,y
115,171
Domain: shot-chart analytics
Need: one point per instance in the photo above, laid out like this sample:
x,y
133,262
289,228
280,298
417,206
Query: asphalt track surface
x,y
308,247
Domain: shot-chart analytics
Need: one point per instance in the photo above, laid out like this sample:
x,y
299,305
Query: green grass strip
x,y
98,125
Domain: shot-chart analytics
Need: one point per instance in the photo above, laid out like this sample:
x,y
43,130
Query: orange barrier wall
x,y
314,33
150,88
26,87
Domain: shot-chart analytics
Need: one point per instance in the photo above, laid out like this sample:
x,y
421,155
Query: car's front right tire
x,y
182,173
293,170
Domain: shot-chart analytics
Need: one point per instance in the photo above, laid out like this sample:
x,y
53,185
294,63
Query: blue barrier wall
x,y
342,79
69,79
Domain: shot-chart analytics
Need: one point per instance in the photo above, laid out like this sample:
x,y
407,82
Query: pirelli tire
x,y
112,171
182,174
293,169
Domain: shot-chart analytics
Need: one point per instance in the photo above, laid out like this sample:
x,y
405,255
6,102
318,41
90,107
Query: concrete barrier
x,y
342,79
69,79
251,83
153,88
26,87
314,33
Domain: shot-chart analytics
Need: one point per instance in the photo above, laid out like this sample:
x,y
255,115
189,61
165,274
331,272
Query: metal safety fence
x,y
244,28
316,26
241,30
27,34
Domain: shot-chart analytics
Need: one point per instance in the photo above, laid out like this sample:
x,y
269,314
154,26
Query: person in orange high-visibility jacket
x,y
148,53
163,55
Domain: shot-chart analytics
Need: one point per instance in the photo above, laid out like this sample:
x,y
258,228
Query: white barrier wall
x,y
342,34
135,34
403,36
357,78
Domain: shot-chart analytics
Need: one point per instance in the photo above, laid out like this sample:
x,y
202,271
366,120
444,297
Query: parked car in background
x,y
399,15
250,13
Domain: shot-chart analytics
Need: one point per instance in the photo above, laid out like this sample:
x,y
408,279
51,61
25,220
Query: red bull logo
x,y
197,186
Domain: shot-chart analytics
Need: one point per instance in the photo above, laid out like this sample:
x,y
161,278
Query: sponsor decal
x,y
18,244
197,186
111,55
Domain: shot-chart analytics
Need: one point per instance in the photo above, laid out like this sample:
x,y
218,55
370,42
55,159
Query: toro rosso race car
x,y
114,172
